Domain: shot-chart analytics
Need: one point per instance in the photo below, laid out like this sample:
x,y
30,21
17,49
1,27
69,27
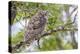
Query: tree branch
x,y
52,31
73,11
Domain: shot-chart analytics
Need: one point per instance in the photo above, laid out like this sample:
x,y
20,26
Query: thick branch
x,y
52,31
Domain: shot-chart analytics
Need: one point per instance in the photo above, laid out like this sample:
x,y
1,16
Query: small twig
x,y
38,43
73,11
71,22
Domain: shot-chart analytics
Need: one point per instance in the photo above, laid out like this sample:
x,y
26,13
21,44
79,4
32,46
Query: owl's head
x,y
43,12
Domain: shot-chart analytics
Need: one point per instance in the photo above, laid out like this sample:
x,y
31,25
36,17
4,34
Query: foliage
x,y
17,38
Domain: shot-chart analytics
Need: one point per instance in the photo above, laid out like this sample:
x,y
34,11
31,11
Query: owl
x,y
36,26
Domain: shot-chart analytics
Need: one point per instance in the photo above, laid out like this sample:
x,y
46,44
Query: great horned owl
x,y
36,26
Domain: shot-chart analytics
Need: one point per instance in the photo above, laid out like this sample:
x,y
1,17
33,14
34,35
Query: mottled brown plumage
x,y
36,26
